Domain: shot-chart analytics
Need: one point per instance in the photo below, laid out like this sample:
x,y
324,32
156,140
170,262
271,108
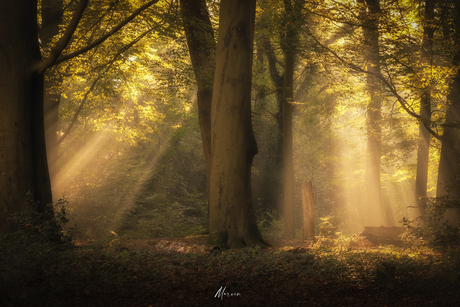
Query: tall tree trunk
x,y
278,81
232,216
290,45
23,167
449,162
52,99
421,179
284,84
202,48
52,14
369,14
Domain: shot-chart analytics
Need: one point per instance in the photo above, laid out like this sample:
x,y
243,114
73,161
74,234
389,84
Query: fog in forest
x,y
356,97
250,153
153,187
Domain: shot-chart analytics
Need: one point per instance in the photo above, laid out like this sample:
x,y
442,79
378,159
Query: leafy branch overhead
x,y
55,57
390,86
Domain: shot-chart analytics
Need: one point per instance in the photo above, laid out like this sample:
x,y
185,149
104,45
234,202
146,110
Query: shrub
x,y
33,227
433,227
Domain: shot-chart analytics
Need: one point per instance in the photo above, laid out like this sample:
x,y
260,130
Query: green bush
x,y
433,227
271,226
33,227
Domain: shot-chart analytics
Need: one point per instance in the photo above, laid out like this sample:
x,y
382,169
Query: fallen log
x,y
383,235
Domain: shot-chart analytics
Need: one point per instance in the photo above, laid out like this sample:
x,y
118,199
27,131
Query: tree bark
x,y
369,15
52,14
290,45
284,84
308,232
202,48
278,81
423,150
449,163
232,216
24,174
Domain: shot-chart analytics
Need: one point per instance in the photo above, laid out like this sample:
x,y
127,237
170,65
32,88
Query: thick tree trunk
x,y
449,163
23,166
232,216
202,48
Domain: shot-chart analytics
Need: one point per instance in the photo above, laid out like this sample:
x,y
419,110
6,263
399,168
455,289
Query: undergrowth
x,y
32,227
114,275
433,228
337,270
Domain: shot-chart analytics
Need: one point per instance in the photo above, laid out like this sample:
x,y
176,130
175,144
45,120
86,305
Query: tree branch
x,y
93,85
103,38
278,79
64,41
404,104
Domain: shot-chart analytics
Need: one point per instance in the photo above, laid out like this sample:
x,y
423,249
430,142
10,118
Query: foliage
x,y
133,160
31,227
119,275
270,224
325,227
433,227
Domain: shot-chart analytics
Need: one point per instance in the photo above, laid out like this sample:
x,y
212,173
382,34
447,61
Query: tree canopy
x,y
360,97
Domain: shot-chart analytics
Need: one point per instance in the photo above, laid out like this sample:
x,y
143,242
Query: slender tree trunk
x,y
290,46
23,167
278,81
52,14
421,179
423,150
52,99
369,13
232,216
202,48
284,84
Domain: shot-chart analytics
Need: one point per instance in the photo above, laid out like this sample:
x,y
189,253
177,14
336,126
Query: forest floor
x,y
186,272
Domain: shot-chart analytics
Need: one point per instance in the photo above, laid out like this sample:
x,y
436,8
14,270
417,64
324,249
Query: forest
x,y
163,152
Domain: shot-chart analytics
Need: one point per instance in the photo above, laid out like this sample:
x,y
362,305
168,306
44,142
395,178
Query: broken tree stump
x,y
308,230
383,235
